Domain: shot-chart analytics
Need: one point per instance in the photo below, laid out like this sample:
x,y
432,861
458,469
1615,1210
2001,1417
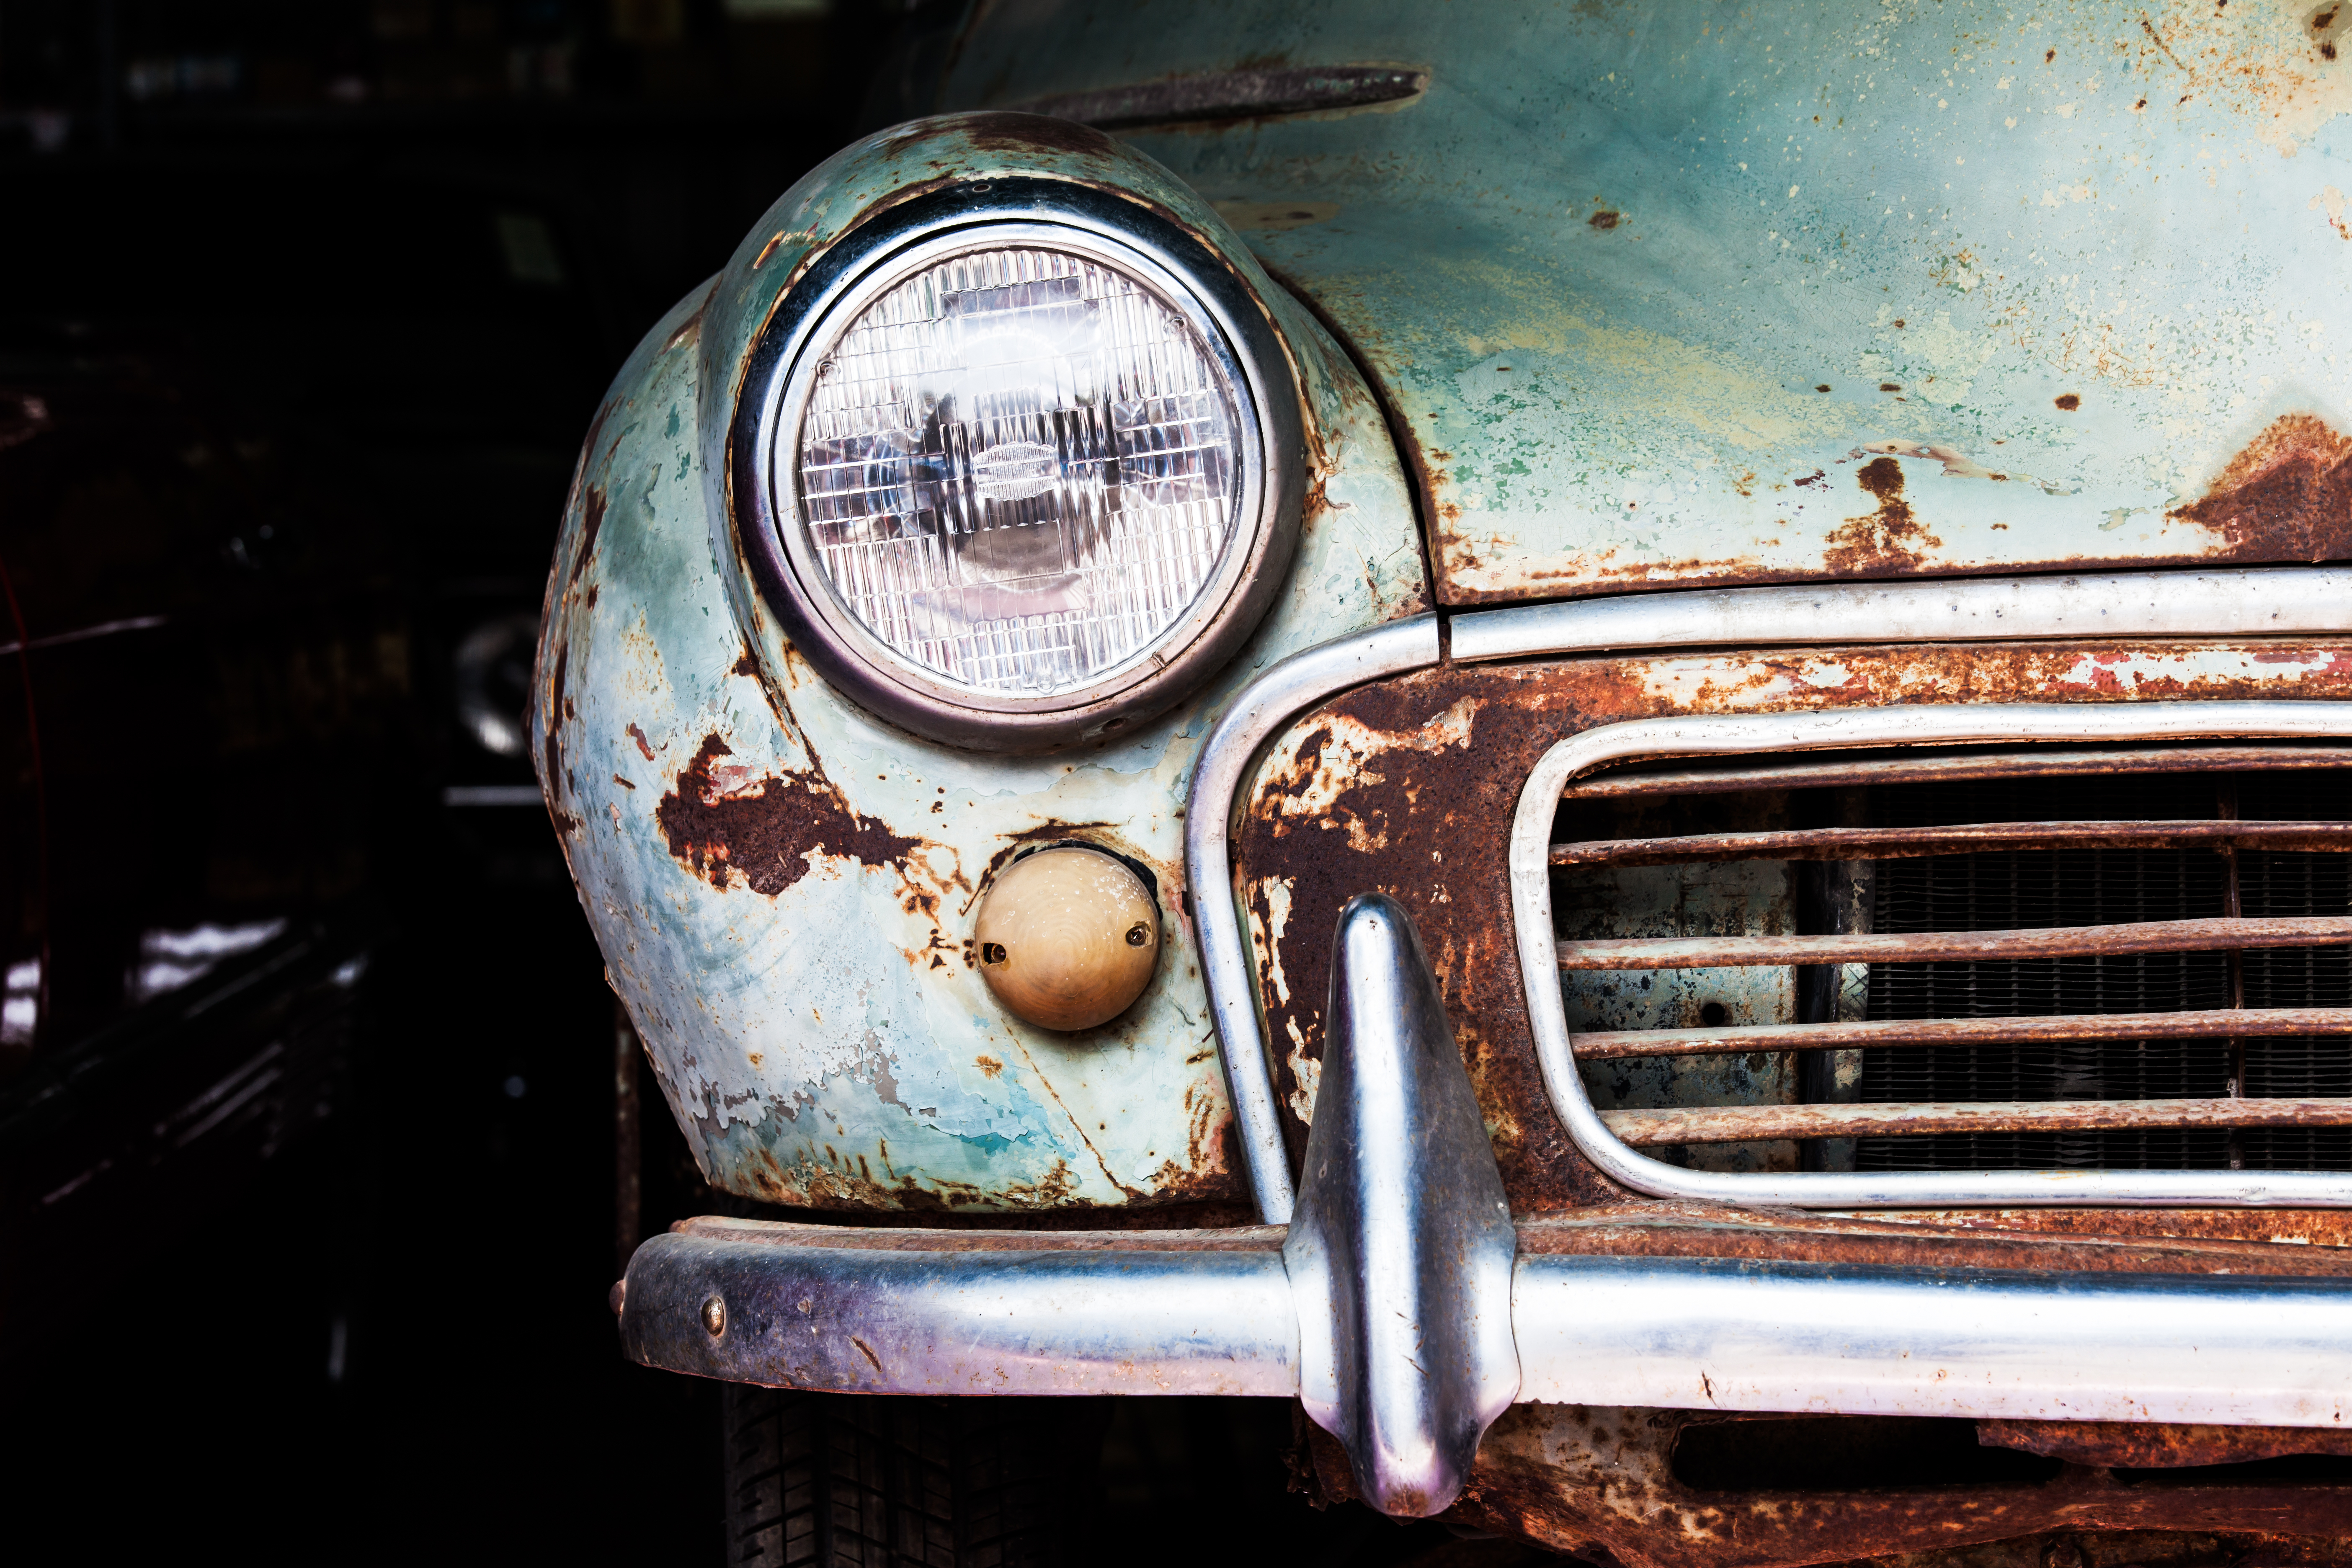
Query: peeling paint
x,y
787,908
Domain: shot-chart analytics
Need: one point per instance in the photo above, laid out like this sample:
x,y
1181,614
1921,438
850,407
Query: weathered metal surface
x,y
1241,94
2294,1229
2210,602
1745,1123
1671,294
1667,1306
1975,839
1578,1477
1407,787
966,1320
2250,1023
1225,760
2099,1241
2152,1445
782,888
2040,762
2204,935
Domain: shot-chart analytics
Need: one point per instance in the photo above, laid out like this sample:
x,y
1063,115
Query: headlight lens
x,y
1020,466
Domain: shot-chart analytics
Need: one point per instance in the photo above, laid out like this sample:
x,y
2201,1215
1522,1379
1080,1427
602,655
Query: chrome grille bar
x,y
1976,839
2209,935
2205,1024
1750,1123
2037,762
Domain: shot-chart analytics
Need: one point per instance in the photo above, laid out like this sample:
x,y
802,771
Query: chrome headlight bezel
x,y
1194,275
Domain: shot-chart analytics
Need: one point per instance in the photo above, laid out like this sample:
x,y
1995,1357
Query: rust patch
x,y
592,519
2152,1446
1602,1484
1884,541
1003,132
2068,401
1605,219
645,747
765,831
748,664
2294,1227
1670,1228
552,749
2288,496
831,1182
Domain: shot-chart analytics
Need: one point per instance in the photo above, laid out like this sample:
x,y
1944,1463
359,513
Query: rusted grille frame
x,y
2261,602
1598,1134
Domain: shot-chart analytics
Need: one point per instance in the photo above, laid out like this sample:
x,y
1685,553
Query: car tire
x,y
838,1480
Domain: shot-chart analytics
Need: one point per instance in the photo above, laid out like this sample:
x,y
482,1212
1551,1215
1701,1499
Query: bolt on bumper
x,y
1400,1308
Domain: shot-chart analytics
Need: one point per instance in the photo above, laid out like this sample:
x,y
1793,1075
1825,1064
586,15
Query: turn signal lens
x,y
1018,468
1067,938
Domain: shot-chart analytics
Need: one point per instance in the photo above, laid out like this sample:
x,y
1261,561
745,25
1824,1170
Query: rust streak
x,y
1887,540
2152,1445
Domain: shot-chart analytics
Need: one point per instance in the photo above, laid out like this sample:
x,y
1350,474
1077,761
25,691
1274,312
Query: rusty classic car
x,y
1613,739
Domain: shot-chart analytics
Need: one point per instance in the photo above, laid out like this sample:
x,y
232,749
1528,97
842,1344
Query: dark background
x,y
380,257
305,1248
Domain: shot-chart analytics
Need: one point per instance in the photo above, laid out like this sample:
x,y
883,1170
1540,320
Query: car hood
x,y
1682,293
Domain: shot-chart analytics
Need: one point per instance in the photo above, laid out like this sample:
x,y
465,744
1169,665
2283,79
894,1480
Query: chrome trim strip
x,y
1956,723
958,1319
1739,1334
1095,1314
1261,710
2266,601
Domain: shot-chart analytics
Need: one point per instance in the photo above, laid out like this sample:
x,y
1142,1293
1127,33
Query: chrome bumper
x,y
1400,1306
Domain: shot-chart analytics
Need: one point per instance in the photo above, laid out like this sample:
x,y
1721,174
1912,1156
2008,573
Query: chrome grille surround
x,y
1602,1137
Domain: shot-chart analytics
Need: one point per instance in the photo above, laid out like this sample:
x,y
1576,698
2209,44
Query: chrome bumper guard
x,y
1399,1306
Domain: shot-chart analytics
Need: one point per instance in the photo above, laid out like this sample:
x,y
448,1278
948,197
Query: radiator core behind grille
x,y
1768,968
2103,885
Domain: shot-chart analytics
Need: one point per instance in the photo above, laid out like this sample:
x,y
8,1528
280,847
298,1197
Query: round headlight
x,y
1019,475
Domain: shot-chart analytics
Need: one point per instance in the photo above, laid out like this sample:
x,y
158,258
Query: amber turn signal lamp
x,y
1067,938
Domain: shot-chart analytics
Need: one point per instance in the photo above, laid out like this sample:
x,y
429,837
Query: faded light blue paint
x,y
1652,283
828,1041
